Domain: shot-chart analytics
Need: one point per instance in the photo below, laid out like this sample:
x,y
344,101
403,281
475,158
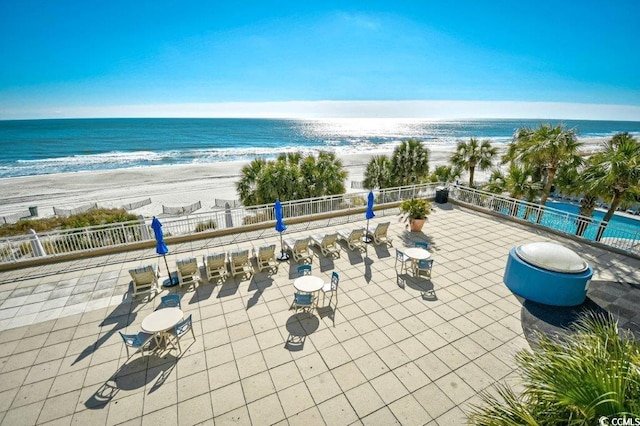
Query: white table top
x,y
161,320
417,253
308,283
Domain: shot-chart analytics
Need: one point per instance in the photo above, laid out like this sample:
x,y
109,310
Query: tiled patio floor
x,y
386,355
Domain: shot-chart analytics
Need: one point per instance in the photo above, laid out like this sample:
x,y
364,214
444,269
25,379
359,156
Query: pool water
x,y
618,223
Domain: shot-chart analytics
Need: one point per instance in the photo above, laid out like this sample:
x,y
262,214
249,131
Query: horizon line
x,y
329,109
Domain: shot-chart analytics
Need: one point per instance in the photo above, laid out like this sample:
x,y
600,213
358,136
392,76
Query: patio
x,y
397,353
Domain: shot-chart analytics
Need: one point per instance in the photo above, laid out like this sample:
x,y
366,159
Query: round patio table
x,y
417,253
161,321
308,283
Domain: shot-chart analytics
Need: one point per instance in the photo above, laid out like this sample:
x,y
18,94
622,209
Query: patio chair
x,y
266,257
136,341
182,328
327,244
422,244
170,301
304,270
145,279
215,266
424,267
331,287
188,272
240,263
352,238
302,301
403,259
299,249
379,233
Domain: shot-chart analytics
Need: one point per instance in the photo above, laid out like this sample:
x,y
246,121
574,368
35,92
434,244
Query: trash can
x,y
442,195
33,210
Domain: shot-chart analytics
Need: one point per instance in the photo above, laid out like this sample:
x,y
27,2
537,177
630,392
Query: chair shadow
x,y
132,375
299,327
229,287
258,287
122,315
355,256
202,292
367,269
382,250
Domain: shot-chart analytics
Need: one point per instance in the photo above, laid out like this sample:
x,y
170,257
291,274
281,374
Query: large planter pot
x,y
416,224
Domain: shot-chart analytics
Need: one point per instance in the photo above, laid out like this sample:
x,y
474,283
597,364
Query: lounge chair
x,y
327,244
299,249
352,238
215,266
379,233
240,264
266,257
188,272
145,279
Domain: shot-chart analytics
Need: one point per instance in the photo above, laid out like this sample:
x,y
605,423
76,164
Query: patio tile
x,y
237,417
455,388
266,410
371,366
409,412
227,398
257,386
190,386
311,365
364,399
295,399
433,400
31,393
59,406
223,375
337,411
308,417
349,376
335,356
411,376
25,415
323,387
389,387
251,364
285,375
195,410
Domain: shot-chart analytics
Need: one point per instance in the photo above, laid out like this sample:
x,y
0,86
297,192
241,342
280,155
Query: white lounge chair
x,y
216,267
266,257
352,238
240,263
188,272
327,244
145,279
299,249
379,233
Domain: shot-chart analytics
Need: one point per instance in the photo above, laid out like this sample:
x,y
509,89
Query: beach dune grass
x,y
82,220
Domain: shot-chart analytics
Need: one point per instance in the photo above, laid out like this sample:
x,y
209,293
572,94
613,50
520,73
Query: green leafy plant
x,y
591,373
415,208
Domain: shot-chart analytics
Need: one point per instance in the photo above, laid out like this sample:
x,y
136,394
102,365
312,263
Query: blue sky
x,y
64,58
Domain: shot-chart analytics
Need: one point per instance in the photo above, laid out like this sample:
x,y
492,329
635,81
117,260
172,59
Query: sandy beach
x,y
173,186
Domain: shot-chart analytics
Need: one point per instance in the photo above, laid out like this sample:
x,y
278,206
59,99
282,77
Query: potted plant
x,y
415,211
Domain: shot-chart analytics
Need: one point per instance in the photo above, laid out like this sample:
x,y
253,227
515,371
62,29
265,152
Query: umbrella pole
x,y
167,265
367,238
283,256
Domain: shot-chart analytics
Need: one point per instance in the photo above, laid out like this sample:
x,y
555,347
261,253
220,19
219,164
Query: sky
x,y
428,59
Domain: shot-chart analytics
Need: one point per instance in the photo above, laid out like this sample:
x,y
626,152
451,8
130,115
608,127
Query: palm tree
x,y
290,177
378,173
517,182
409,163
592,372
548,147
579,181
474,154
616,167
446,174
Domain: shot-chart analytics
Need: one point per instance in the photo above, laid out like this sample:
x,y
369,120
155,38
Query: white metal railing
x,y
614,234
64,242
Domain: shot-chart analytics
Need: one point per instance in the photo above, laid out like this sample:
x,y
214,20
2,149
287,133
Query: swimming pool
x,y
619,226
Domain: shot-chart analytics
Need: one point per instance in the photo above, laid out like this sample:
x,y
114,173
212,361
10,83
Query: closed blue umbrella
x,y
280,227
369,214
161,247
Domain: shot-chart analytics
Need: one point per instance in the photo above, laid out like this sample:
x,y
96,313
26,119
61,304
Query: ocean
x,y
36,147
